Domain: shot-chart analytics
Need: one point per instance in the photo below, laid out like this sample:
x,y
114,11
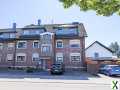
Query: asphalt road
x,y
68,81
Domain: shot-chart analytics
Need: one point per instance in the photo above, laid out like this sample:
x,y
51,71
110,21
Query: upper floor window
x,y
12,35
45,49
75,43
7,35
36,44
33,31
21,44
26,32
96,55
59,44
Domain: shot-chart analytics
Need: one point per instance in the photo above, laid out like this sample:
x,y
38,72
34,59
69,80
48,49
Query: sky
x,y
25,12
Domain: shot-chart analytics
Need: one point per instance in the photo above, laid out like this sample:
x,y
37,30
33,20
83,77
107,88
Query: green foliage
x,y
115,48
30,70
101,7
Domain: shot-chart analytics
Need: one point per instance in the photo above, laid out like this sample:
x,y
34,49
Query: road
x,y
49,82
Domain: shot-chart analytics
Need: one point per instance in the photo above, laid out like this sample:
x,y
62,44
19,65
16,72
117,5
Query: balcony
x,y
7,36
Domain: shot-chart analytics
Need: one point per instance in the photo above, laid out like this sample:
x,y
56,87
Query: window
x,y
96,55
12,35
75,43
75,57
59,57
35,57
6,35
36,44
1,45
21,44
25,32
59,44
9,57
45,49
10,45
20,57
46,38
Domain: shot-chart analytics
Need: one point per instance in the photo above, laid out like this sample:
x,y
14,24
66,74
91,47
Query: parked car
x,y
57,69
102,68
111,70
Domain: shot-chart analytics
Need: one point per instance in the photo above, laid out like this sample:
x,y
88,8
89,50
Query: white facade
x,y
100,50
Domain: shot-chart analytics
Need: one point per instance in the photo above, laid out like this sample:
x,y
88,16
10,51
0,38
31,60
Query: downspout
x,y
14,58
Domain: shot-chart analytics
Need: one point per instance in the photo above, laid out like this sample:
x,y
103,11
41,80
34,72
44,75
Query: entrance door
x,y
44,64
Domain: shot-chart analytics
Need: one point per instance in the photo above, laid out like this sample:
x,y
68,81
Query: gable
x,y
98,48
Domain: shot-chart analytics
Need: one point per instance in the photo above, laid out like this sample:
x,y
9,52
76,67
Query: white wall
x,y
99,49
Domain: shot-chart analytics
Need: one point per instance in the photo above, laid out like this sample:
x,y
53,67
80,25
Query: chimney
x,y
14,26
39,22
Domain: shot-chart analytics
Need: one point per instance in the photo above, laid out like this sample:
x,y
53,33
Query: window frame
x,y
34,44
34,57
57,43
96,55
12,57
22,47
59,55
75,55
74,42
10,44
20,54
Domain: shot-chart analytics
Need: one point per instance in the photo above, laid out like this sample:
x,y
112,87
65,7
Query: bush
x,y
29,70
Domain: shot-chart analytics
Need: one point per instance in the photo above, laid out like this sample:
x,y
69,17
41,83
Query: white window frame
x,y
10,45
33,56
46,45
34,42
9,59
59,55
59,41
1,45
20,54
75,54
23,47
74,41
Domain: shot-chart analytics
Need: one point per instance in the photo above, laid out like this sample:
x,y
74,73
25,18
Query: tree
x,y
101,7
115,48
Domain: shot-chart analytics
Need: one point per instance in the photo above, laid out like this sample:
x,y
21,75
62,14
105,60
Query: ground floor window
x,y
35,57
75,57
59,57
21,57
9,57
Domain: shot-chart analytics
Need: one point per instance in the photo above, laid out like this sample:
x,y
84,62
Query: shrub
x,y
29,70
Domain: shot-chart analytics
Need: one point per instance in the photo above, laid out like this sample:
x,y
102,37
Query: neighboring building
x,y
99,51
41,45
98,54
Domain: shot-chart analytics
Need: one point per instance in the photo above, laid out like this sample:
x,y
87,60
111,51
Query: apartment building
x,y
42,45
